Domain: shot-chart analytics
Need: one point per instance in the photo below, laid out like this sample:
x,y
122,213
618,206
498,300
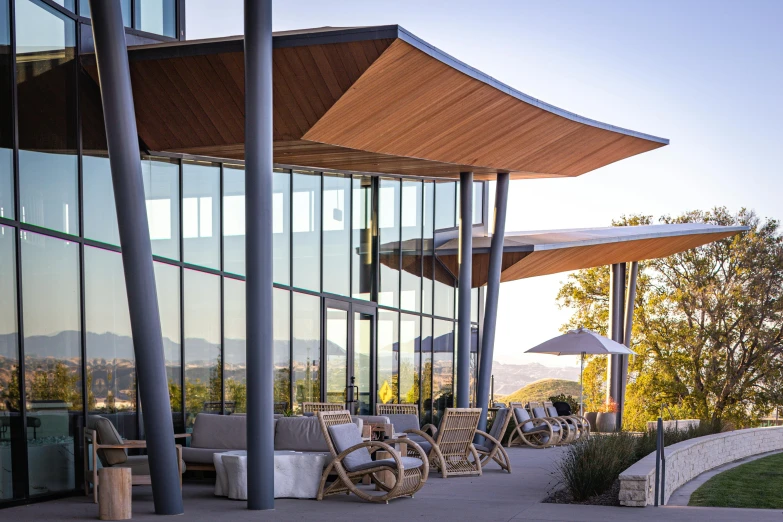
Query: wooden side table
x,y
114,493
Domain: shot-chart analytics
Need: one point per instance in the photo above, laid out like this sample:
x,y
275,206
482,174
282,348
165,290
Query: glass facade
x,y
151,16
365,242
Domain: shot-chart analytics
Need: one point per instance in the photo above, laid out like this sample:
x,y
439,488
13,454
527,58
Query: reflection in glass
x,y
425,412
428,246
409,355
388,357
84,10
100,214
445,295
474,305
46,91
411,235
281,225
445,204
282,335
478,202
201,214
161,191
234,219
6,117
362,346
52,343
389,240
10,403
362,250
337,234
307,231
167,283
307,349
157,16
234,339
111,362
336,354
203,367
442,368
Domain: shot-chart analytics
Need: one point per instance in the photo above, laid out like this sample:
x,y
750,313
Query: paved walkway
x,y
496,496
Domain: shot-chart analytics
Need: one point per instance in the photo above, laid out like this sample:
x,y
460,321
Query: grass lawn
x,y
757,484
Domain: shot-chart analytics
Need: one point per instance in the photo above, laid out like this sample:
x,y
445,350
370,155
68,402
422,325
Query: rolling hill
x,y
542,389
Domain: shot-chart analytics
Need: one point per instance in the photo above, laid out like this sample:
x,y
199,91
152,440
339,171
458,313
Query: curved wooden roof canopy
x,y
374,99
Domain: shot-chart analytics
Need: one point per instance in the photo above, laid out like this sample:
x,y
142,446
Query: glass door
x,y
362,344
336,350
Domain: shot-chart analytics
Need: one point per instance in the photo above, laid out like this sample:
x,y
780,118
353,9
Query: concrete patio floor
x,y
496,496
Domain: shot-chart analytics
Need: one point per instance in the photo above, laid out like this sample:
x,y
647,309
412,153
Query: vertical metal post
x,y
623,369
258,226
493,293
616,323
465,283
658,444
123,144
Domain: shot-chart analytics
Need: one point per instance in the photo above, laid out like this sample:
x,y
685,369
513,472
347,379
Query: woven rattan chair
x,y
397,409
315,407
568,430
492,449
450,446
536,433
579,423
352,461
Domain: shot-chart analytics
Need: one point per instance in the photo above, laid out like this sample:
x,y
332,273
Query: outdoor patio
x,y
495,496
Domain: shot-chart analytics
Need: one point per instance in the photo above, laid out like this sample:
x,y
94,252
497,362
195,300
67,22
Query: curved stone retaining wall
x,y
681,425
688,459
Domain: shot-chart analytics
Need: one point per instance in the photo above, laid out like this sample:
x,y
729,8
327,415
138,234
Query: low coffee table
x,y
297,475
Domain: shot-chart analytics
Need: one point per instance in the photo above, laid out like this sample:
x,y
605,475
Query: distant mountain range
x,y
511,377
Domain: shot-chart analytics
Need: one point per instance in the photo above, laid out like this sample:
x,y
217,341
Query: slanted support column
x,y
258,252
125,160
616,330
493,293
630,302
465,283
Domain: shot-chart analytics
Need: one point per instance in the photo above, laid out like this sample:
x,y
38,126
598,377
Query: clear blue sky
x,y
708,75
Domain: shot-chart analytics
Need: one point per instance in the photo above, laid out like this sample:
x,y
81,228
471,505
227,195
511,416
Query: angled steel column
x,y
616,330
125,159
493,293
465,283
630,302
258,226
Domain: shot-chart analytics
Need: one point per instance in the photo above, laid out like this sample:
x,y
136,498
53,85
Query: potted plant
x,y
606,421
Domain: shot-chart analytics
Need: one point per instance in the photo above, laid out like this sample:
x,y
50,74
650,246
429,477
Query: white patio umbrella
x,y
580,342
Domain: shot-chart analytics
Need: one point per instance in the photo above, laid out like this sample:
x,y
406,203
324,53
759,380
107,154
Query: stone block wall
x,y
688,459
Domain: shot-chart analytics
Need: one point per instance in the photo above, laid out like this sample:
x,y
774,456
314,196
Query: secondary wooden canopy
x,y
371,99
529,254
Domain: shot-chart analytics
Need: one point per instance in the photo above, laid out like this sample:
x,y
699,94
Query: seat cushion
x,y
523,418
539,413
498,423
426,447
199,455
407,463
227,432
107,434
345,436
300,434
552,411
481,448
404,421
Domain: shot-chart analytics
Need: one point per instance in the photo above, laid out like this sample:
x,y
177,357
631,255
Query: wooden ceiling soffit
x,y
480,265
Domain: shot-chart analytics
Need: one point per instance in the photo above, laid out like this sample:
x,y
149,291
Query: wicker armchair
x,y
536,433
352,462
397,409
492,449
568,429
315,407
450,447
581,424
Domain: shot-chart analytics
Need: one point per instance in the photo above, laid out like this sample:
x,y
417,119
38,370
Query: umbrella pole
x,y
581,384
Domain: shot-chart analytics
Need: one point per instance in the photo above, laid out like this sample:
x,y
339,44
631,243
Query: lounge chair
x,y
397,409
491,448
568,428
352,462
314,407
580,423
536,433
450,446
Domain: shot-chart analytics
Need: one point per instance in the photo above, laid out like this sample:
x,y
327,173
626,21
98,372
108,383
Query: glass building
x,y
360,298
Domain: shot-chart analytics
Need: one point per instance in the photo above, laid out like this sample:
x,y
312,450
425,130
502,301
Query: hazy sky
x,y
708,75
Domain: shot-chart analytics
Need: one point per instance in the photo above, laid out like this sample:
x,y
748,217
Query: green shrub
x,y
572,402
590,466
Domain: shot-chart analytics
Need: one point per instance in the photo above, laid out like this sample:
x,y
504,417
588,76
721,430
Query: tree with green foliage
x,y
708,324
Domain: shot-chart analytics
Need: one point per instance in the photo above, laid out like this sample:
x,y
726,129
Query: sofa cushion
x,y
404,421
107,434
345,436
227,432
199,455
300,434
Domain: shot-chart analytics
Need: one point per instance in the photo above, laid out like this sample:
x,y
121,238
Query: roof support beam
x,y
487,351
630,302
258,252
616,330
122,139
465,283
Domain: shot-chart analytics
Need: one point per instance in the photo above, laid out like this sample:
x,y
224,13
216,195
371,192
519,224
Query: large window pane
x,y
201,214
84,10
445,204
281,225
234,338
46,89
157,16
234,220
445,295
411,235
307,349
52,343
161,191
362,249
388,357
282,335
428,246
6,115
410,345
307,231
478,202
389,239
10,403
442,368
100,214
202,345
337,234
111,362
167,281
425,412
